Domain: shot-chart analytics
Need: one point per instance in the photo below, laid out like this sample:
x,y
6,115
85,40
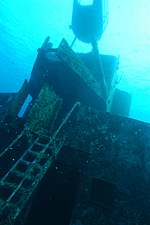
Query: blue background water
x,y
24,25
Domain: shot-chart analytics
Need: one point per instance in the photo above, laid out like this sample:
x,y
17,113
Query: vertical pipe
x,y
100,71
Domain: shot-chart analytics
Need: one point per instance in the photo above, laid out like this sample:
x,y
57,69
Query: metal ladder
x,y
25,175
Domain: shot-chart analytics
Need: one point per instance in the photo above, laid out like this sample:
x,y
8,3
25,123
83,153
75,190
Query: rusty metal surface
x,y
43,114
87,70
75,63
119,150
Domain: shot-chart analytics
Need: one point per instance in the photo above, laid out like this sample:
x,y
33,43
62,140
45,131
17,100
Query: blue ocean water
x,y
24,25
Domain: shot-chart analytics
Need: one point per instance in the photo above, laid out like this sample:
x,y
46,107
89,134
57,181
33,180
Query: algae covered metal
x,y
44,111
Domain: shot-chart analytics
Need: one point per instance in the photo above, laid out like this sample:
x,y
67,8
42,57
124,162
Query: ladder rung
x,y
9,185
17,173
25,162
13,186
33,152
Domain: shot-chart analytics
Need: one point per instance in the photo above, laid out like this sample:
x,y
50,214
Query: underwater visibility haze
x,y
64,162
24,25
